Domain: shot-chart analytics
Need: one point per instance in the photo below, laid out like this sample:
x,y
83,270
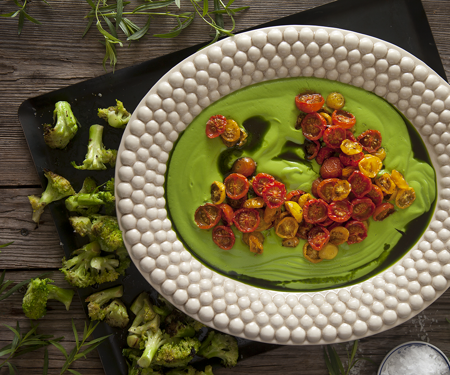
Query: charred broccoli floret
x,y
81,225
106,305
116,116
105,268
39,291
177,352
164,308
221,346
57,188
132,356
178,324
65,128
97,155
78,270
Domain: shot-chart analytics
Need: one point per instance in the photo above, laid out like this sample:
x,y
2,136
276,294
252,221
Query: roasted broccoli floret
x,y
132,356
116,116
81,225
106,305
97,155
177,352
57,188
221,346
178,324
164,308
65,128
189,370
105,268
89,199
78,270
39,291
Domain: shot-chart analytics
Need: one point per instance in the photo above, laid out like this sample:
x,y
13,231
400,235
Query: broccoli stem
x,y
105,295
151,346
62,295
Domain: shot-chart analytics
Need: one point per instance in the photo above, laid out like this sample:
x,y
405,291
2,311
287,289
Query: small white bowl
x,y
410,343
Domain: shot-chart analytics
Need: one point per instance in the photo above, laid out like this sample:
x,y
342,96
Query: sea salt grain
x,y
416,359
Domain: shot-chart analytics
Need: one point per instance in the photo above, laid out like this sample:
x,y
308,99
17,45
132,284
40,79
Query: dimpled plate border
x,y
338,315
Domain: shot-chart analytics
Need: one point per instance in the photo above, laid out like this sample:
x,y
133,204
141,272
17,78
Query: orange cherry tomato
x,y
286,227
232,132
347,172
339,235
382,211
227,214
313,126
314,186
341,190
370,165
293,195
318,237
274,194
325,189
360,183
370,140
236,186
331,168
363,208
255,244
333,136
223,237
215,126
245,166
323,154
260,181
310,254
340,211
207,216
343,118
357,231
315,211
405,198
246,219
309,102
399,180
385,183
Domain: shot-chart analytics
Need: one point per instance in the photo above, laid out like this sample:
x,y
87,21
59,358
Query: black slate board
x,y
401,22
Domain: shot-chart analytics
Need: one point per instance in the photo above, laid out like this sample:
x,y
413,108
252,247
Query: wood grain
x,y
52,56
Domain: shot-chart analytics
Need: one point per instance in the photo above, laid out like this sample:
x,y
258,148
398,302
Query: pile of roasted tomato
x,y
351,189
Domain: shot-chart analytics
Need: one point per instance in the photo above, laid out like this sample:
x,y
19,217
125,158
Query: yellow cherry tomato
x,y
326,116
339,235
385,183
295,210
232,132
310,254
304,198
290,242
349,147
380,153
218,194
370,165
286,227
341,190
347,172
329,251
257,202
405,197
399,180
246,237
335,100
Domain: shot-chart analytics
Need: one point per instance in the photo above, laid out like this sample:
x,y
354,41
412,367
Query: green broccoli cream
x,y
269,113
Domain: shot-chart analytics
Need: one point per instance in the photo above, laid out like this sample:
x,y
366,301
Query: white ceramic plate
x,y
342,314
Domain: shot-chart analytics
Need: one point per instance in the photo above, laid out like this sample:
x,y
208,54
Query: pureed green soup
x,y
268,112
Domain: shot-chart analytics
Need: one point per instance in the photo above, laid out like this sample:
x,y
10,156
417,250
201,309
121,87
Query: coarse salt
x,y
416,359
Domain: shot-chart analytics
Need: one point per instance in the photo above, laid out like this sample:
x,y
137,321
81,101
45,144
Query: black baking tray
x,y
401,22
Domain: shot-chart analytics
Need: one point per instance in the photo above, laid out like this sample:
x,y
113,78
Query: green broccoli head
x,y
221,346
178,324
39,291
81,202
177,353
105,268
116,116
65,128
81,225
77,270
105,229
57,188
97,155
105,305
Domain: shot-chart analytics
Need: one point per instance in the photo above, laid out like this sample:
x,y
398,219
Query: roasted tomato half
x,y
311,149
215,126
293,195
260,181
232,132
245,166
227,214
309,103
331,168
223,237
274,194
207,216
333,136
350,160
315,211
323,154
360,183
376,195
370,140
325,189
313,126
363,208
318,237
236,186
343,118
246,219
357,231
382,211
340,211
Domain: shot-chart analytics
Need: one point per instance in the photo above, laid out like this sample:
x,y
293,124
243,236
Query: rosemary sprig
x,y
22,13
82,348
22,344
334,362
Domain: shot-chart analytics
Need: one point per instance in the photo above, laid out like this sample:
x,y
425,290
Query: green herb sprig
x,y
82,348
22,344
22,13
334,362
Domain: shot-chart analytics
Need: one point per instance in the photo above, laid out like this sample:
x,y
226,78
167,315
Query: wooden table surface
x,y
52,56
